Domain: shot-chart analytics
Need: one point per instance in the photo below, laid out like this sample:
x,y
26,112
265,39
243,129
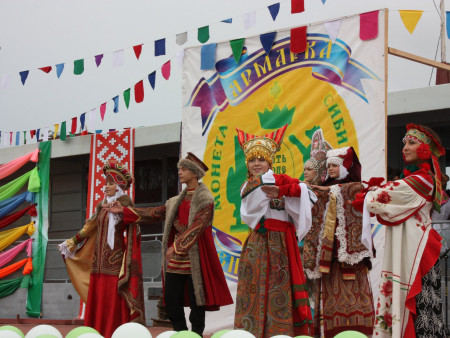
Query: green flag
x,y
203,34
63,132
126,97
78,67
236,47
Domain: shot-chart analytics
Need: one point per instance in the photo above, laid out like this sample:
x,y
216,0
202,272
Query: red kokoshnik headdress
x,y
429,148
118,173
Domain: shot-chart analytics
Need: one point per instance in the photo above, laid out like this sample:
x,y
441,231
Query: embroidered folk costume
x,y
410,301
104,262
271,293
337,251
194,265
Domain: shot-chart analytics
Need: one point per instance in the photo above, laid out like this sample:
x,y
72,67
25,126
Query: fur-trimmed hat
x,y
118,173
348,162
194,164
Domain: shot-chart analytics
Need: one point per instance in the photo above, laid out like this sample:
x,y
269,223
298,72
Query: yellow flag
x,y
410,19
56,130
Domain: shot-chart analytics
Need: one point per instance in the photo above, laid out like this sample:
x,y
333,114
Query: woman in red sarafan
x,y
410,302
104,260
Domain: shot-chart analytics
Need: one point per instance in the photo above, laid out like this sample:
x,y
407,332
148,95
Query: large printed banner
x,y
338,87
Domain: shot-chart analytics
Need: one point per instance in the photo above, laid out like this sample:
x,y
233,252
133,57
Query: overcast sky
x,y
47,32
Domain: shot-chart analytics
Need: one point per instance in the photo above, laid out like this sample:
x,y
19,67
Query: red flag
x,y
368,25
137,50
139,91
85,132
297,6
32,133
74,126
298,39
102,110
165,70
46,69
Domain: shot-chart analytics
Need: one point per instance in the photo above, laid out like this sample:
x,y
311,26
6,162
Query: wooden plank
x,y
418,59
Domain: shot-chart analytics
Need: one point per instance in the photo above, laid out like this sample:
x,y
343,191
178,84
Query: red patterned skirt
x,y
342,305
268,302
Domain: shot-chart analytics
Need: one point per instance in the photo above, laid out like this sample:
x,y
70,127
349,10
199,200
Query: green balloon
x,y
185,334
350,334
219,334
81,330
12,329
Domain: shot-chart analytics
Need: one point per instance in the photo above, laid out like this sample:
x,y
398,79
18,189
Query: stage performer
x,y
104,260
339,252
271,294
192,273
315,172
410,303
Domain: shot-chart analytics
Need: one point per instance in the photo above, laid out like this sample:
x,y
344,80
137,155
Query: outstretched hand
x,y
320,188
271,191
114,207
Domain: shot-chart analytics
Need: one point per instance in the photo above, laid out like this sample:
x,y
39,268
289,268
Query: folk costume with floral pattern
x,y
412,246
271,293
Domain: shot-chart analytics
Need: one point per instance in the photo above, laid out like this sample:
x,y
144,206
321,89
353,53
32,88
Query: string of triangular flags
x,y
85,123
159,47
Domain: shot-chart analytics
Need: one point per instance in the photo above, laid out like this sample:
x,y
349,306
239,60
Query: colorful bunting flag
x,y
126,97
274,10
180,57
267,40
24,76
37,134
5,81
181,38
151,79
73,130
410,19
118,58
59,69
116,104
45,134
137,51
139,91
249,20
47,69
98,59
10,138
91,120
298,39
165,70
323,2
160,47
102,110
332,28
32,133
24,137
448,24
82,120
236,47
208,56
297,6
203,34
18,138
368,25
78,67
228,20
63,132
56,130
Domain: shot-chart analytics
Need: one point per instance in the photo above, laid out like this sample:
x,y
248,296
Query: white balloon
x,y
9,334
90,335
238,334
128,330
166,334
43,329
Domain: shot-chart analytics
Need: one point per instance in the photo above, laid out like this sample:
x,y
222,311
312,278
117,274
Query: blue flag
x,y
151,79
160,47
23,76
116,104
208,56
59,69
274,9
267,41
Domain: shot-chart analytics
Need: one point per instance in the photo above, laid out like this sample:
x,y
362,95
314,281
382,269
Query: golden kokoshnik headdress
x,y
261,146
